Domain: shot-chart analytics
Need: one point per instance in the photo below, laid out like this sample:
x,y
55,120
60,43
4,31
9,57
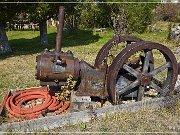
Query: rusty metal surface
x,y
143,78
53,68
105,49
92,81
60,29
101,80
49,69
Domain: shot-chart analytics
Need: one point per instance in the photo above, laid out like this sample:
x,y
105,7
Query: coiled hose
x,y
17,111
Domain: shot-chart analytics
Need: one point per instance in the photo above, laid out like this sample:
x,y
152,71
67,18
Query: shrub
x,y
167,12
138,16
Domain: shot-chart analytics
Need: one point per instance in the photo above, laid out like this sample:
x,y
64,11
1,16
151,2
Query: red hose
x,y
14,104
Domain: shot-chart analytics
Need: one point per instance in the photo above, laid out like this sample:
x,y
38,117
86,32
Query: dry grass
x,y
17,72
18,69
165,120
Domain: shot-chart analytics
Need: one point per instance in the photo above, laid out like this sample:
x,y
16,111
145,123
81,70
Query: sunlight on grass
x,y
164,120
20,65
18,69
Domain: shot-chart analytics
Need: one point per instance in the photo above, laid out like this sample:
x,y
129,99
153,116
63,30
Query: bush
x,y
138,16
134,17
167,12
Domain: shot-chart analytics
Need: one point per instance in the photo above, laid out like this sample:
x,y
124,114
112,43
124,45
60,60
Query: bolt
x,y
56,81
52,59
36,59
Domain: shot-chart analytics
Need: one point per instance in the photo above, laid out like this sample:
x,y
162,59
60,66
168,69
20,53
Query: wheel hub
x,y
145,79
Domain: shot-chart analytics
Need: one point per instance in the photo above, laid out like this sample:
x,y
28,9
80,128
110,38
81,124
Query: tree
x,y
40,13
131,17
168,11
138,16
7,13
72,16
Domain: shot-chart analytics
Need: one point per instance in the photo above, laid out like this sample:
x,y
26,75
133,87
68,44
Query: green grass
x,y
18,69
19,66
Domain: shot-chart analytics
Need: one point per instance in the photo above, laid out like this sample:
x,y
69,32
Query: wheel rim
x,y
145,77
103,52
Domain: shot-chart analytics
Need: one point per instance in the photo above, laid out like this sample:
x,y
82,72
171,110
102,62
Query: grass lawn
x,y
161,121
20,65
18,69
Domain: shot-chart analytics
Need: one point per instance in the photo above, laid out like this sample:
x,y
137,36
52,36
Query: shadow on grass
x,y
23,46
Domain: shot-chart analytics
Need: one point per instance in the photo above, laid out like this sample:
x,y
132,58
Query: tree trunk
x,y
4,43
43,33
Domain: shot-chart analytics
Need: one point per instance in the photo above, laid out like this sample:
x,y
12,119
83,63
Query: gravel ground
x,y
176,52
177,87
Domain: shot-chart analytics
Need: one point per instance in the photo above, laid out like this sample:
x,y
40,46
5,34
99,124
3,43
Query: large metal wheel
x,y
103,52
145,77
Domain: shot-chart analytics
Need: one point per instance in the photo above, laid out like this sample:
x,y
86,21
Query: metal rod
x,y
60,29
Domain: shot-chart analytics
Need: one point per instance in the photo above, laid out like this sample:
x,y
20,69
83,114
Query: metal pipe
x,y
60,29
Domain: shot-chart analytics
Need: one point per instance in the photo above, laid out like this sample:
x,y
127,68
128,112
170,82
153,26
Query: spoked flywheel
x,y
156,72
104,51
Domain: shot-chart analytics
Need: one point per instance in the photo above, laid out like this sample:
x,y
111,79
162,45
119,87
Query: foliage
x,y
82,126
18,72
70,83
9,11
88,18
138,16
167,12
42,11
64,94
135,17
72,14
85,15
96,15
84,44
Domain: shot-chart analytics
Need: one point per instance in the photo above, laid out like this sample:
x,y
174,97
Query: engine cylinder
x,y
53,67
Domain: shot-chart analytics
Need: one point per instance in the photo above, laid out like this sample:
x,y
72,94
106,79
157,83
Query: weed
x,y
64,94
82,126
18,68
104,129
3,117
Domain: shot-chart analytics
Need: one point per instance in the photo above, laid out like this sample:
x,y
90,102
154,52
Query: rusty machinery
x,y
127,75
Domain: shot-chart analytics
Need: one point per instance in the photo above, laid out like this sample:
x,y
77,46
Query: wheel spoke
x,y
146,61
156,87
131,70
140,93
130,86
157,81
160,69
